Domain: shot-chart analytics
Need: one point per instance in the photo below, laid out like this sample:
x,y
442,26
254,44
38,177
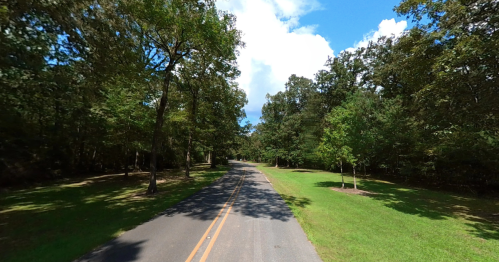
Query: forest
x,y
97,86
106,85
422,107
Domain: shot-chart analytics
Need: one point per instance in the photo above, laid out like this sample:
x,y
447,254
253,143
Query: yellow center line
x,y
212,242
213,223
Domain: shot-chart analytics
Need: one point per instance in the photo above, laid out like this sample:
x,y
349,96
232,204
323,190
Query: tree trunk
x,y
209,157
276,161
152,188
136,165
287,163
56,148
126,161
188,157
354,181
80,154
365,173
342,180
191,130
213,159
143,161
126,148
92,167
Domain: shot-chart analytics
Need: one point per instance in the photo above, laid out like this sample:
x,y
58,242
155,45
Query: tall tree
x,y
175,30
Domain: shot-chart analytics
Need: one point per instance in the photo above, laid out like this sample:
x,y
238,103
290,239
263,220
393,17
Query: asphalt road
x,y
240,217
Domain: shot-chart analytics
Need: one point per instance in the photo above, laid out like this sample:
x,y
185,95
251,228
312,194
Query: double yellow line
x,y
215,236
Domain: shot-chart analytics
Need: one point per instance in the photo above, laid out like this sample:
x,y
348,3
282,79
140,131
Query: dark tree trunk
x,y
342,180
56,148
354,180
213,159
191,130
117,165
157,130
126,149
92,167
143,160
155,140
80,154
188,157
365,173
126,161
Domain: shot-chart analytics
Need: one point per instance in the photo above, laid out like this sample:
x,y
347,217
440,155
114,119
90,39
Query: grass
x,y
63,221
396,223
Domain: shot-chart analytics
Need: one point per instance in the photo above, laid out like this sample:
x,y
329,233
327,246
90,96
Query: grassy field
x,y
63,221
395,223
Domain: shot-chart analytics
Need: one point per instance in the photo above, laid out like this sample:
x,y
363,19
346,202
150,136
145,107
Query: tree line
x,y
96,85
421,107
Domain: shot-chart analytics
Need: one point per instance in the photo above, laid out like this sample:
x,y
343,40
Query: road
x,y
240,217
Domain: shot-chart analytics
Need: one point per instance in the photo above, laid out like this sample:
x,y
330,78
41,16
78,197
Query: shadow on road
x,y
256,198
115,250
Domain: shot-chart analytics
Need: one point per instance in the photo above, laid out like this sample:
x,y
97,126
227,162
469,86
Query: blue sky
x,y
285,37
344,22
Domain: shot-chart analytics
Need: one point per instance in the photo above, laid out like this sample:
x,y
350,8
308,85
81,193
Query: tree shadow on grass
x,y
306,171
432,204
332,184
484,230
79,212
296,201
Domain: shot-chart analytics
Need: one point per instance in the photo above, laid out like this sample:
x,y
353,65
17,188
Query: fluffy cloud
x,y
276,46
385,28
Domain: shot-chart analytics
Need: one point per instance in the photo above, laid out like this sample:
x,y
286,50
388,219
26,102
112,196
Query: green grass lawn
x,y
61,222
396,223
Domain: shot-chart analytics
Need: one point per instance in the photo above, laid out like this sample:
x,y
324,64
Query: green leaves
x,y
84,81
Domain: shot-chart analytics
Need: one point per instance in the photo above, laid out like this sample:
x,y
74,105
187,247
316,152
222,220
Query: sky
x,y
285,37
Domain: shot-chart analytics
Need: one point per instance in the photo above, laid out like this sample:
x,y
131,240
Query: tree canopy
x,y
90,86
420,107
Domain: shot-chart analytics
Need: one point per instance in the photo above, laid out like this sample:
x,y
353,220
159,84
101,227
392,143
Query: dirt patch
x,y
352,191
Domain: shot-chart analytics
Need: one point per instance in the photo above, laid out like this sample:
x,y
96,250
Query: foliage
x,y
86,85
287,124
419,107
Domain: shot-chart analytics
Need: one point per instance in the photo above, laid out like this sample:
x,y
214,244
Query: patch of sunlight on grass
x,y
29,207
83,183
395,223
406,189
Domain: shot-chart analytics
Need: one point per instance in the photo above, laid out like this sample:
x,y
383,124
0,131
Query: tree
x,y
335,149
286,117
83,81
175,31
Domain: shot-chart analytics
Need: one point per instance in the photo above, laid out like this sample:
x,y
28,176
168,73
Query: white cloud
x,y
385,28
276,45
